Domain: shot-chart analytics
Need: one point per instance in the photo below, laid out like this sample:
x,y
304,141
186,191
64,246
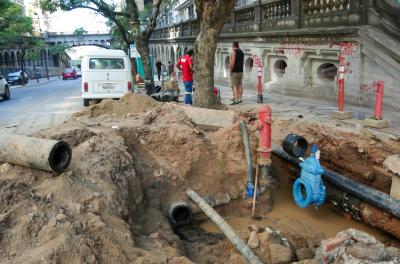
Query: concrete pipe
x,y
43,154
246,252
180,213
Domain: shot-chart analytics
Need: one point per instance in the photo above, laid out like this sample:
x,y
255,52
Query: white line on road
x,y
25,99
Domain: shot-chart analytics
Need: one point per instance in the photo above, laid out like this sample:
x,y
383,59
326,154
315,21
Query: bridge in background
x,y
100,39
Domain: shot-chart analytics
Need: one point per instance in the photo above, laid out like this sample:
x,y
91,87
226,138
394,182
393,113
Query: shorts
x,y
236,78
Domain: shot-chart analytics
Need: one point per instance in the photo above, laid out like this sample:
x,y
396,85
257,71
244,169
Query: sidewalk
x,y
295,105
33,82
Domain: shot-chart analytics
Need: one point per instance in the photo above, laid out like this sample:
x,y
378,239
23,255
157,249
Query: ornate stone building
x,y
299,43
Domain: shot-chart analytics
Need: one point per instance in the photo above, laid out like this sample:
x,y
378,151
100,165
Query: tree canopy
x,y
15,27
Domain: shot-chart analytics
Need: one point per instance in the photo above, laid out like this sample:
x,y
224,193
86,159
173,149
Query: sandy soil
x,y
131,160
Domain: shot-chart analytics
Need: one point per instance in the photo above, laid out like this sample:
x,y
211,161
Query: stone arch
x,y
13,57
1,59
248,66
172,55
327,72
6,58
280,68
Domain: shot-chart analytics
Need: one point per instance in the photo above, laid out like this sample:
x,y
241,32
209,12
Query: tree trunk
x,y
142,46
212,16
204,48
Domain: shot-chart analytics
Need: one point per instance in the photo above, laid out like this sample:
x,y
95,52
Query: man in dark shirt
x,y
236,68
158,66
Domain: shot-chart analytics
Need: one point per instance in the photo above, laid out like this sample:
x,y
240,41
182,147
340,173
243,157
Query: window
x,y
106,63
327,72
280,68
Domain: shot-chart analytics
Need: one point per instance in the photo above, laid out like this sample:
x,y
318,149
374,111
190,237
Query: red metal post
x,y
257,61
341,84
264,143
379,86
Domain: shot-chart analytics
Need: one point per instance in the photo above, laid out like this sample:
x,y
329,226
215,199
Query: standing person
x,y
158,66
170,68
236,68
185,64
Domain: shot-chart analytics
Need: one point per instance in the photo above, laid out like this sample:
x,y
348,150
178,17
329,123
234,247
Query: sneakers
x,y
233,99
235,102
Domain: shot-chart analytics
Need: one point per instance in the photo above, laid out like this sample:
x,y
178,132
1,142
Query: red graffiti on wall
x,y
296,49
366,87
348,49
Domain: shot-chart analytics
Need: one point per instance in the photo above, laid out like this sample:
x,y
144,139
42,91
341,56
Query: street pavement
x,y
291,104
38,106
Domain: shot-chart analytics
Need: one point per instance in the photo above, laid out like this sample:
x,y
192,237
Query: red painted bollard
x,y
257,61
376,120
264,143
379,86
341,84
341,114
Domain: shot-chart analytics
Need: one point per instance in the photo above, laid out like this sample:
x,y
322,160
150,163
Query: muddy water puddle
x,y
286,215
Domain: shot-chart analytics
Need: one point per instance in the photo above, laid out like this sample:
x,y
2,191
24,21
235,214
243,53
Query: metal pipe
x,y
43,154
246,252
247,152
374,197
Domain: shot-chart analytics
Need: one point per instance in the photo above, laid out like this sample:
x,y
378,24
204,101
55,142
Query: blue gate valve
x,y
309,188
249,190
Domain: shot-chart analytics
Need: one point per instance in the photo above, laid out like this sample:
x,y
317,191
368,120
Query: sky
x,y
69,21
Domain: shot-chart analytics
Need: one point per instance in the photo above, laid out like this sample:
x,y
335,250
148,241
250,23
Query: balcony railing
x,y
265,16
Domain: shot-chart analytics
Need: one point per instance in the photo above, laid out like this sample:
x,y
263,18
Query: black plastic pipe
x,y
374,197
180,213
247,152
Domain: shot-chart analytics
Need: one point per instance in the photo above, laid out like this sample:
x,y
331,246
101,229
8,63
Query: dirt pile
x,y
131,159
130,104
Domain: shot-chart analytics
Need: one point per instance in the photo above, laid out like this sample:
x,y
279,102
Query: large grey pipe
x,y
247,151
43,154
374,197
246,252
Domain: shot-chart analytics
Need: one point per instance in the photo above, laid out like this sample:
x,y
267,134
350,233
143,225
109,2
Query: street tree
x,y
59,50
125,18
212,16
16,29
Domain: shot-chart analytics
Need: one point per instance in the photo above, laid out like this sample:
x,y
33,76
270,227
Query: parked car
x,y
4,89
16,78
105,74
69,73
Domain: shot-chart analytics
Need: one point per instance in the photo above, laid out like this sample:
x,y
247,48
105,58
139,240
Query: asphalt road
x,y
36,107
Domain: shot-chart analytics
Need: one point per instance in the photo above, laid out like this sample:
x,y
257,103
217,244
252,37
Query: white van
x,y
105,74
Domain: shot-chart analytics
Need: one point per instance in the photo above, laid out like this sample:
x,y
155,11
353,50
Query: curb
x,y
32,85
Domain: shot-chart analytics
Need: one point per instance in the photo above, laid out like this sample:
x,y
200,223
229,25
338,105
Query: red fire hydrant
x,y
379,86
341,84
264,143
257,61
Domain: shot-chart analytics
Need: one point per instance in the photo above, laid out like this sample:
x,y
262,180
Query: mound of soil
x,y
131,103
131,159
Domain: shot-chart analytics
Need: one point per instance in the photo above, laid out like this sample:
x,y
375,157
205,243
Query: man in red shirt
x,y
185,64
